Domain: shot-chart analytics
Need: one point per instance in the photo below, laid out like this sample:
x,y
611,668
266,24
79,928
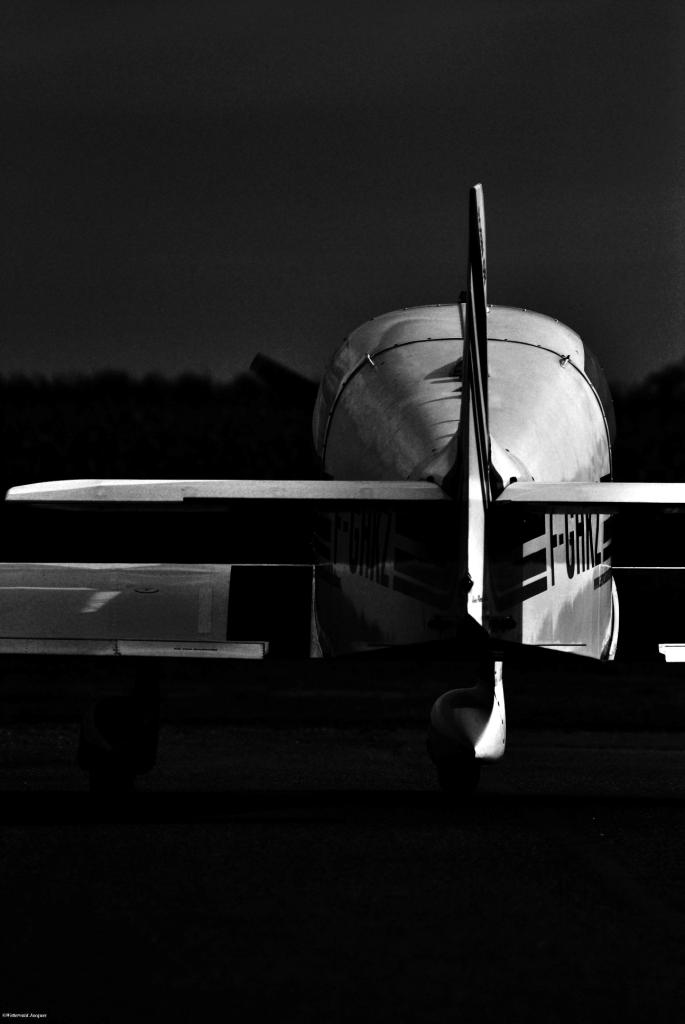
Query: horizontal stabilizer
x,y
328,492
590,496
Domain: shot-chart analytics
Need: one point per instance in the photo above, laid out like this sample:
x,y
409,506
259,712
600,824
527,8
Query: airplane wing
x,y
241,609
118,609
606,498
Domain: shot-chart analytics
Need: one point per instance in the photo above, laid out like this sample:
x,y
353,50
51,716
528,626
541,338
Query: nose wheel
x,y
458,776
119,735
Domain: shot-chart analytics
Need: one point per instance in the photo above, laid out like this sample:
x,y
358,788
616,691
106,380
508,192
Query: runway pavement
x,y
305,868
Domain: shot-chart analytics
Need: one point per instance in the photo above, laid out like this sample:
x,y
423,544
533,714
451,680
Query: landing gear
x,y
110,779
468,726
458,776
118,738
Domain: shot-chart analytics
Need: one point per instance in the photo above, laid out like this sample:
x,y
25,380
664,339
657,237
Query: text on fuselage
x,y
581,541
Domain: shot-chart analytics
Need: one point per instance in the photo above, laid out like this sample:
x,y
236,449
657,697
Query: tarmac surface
x,y
290,858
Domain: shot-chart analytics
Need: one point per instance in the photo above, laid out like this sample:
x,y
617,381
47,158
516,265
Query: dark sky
x,y
187,183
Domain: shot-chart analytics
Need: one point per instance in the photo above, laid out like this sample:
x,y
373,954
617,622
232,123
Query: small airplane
x,y
466,502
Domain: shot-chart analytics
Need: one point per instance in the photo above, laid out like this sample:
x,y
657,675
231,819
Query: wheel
x,y
110,780
458,776
118,741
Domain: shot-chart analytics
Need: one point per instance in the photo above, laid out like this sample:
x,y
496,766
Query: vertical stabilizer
x,y
476,341
473,462
468,725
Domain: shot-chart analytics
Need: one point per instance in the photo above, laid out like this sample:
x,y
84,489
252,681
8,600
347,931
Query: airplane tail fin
x,y
469,479
474,420
469,724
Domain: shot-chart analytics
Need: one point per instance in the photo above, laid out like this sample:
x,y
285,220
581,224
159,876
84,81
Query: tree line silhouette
x,y
259,426
111,425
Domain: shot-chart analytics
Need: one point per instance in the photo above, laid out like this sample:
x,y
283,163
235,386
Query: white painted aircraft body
x,y
466,451
389,407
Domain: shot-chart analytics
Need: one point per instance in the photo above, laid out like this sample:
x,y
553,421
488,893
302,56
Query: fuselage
x,y
389,407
